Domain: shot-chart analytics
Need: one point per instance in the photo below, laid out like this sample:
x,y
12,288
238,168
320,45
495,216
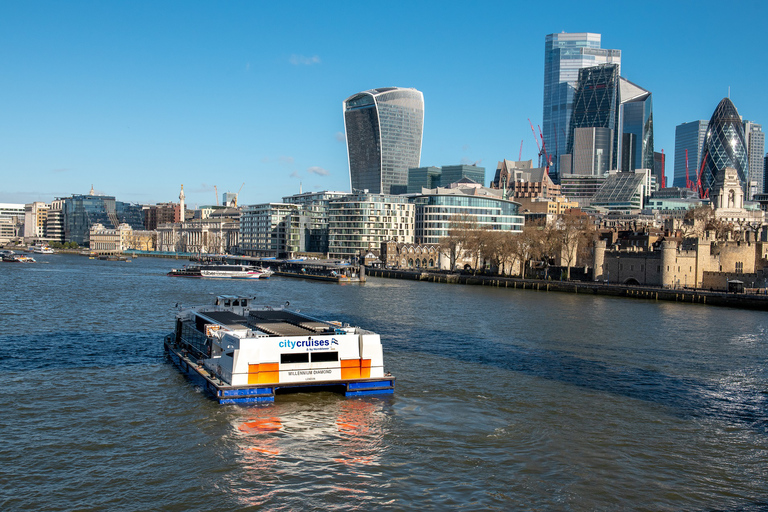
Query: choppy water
x,y
506,399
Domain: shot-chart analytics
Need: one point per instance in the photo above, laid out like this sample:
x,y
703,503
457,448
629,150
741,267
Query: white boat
x,y
221,271
41,249
240,353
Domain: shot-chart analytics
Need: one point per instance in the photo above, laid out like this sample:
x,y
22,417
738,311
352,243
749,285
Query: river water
x,y
506,400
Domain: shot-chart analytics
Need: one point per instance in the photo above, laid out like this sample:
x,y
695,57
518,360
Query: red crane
x,y
663,174
542,148
688,182
702,194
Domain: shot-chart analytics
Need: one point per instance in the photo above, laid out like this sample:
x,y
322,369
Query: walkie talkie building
x,y
384,132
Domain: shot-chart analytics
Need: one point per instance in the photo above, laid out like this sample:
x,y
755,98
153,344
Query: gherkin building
x,y
724,146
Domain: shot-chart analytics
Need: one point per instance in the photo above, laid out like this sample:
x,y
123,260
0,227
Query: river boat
x,y
12,257
41,249
240,353
221,271
321,270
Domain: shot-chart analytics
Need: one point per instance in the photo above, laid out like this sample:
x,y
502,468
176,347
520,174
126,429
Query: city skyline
x,y
137,98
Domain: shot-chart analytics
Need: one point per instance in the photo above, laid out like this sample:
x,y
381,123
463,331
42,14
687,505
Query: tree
x,y
570,233
459,238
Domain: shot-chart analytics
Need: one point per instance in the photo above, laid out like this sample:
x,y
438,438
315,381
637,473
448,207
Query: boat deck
x,y
271,322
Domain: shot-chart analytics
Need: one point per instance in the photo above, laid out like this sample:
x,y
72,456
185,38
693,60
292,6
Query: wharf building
x,y
384,134
265,229
433,177
361,221
108,241
564,55
437,209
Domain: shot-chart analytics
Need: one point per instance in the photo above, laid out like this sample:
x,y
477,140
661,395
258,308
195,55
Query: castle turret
x,y
598,260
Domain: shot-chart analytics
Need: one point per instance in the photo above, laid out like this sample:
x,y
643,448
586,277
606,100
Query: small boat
x,y
240,353
16,258
221,271
41,249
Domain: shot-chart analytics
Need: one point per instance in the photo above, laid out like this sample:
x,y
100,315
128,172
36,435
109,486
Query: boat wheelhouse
x,y
240,353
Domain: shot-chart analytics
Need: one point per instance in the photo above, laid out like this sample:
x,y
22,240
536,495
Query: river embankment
x,y
688,295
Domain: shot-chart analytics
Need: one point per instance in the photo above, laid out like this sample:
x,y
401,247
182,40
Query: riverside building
x,y
360,221
437,209
384,133
80,212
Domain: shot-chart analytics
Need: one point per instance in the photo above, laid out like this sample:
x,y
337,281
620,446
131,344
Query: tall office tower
x,y
636,114
564,55
596,105
688,136
592,151
755,140
384,131
724,146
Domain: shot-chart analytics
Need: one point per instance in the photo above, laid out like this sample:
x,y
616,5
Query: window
x,y
294,358
739,267
324,357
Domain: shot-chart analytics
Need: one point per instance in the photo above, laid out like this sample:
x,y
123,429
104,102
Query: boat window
x,y
324,357
294,358
235,302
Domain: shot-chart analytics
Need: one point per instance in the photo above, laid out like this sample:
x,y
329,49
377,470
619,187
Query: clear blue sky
x,y
139,97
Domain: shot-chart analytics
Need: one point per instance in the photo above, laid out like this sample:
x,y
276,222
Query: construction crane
x,y
520,155
216,193
688,182
542,146
702,194
663,174
538,146
237,195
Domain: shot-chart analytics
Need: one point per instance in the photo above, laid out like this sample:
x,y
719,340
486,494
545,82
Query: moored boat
x,y
221,271
240,353
41,249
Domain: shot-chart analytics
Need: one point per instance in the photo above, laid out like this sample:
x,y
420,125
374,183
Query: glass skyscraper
x,y
596,105
636,127
724,146
564,55
384,132
755,140
688,136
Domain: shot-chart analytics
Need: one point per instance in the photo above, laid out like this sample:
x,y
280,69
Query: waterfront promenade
x,y
689,295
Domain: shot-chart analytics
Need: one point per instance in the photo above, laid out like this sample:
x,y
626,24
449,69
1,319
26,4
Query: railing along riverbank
x,y
691,296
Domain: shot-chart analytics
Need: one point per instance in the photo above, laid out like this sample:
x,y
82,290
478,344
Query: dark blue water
x,y
506,399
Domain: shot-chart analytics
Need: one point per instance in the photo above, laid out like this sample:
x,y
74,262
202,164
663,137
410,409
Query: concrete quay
x,y
691,296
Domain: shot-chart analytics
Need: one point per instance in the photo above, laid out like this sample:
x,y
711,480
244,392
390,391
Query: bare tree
x,y
570,233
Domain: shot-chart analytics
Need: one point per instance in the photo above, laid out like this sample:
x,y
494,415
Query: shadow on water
x,y
686,396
